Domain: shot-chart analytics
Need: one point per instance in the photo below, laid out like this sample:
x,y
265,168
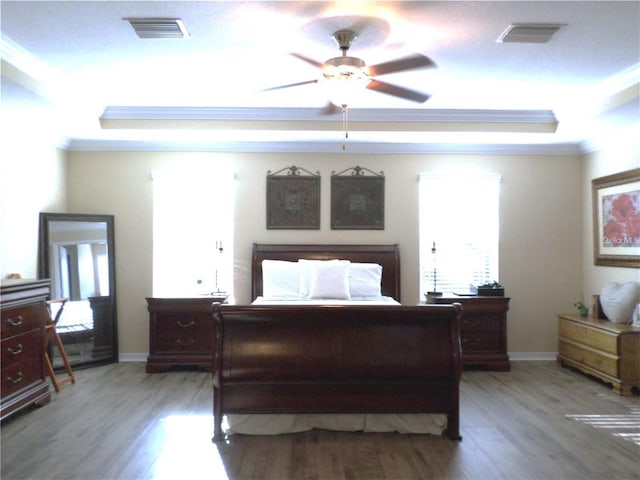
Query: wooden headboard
x,y
386,255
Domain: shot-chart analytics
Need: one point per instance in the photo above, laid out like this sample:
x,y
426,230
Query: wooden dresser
x,y
180,332
606,350
24,316
483,330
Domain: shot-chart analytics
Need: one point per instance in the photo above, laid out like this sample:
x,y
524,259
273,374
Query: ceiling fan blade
x,y
306,82
406,63
308,60
397,91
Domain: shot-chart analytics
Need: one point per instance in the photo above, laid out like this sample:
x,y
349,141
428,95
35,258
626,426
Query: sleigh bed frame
x,y
337,358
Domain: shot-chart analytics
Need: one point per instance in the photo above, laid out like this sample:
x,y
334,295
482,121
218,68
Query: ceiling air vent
x,y
158,27
529,32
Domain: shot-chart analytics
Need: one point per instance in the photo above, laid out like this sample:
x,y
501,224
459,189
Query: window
x,y
192,232
459,213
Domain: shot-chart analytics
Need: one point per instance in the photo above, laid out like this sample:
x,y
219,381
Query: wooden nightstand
x,y
181,332
483,330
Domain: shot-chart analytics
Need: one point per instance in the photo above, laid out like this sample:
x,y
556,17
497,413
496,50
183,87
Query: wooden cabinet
x,y
24,316
483,330
181,332
606,350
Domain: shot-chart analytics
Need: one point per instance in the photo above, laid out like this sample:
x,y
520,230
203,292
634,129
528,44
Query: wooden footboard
x,y
337,359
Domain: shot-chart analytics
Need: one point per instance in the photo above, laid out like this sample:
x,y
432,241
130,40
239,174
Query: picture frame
x,y
616,219
357,200
293,200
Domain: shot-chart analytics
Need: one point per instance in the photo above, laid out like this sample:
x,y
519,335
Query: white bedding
x,y
77,316
298,300
278,424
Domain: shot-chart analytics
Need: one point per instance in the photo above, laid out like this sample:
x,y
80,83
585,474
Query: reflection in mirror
x,y
77,255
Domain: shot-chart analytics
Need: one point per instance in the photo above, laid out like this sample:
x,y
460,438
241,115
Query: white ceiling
x,y
103,87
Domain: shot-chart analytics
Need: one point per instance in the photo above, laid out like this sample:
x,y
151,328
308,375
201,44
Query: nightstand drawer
x,y
592,337
184,344
184,333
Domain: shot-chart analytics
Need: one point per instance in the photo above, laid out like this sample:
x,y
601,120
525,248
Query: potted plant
x,y
582,308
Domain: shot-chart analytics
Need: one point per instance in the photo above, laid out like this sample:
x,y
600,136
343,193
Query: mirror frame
x,y
44,272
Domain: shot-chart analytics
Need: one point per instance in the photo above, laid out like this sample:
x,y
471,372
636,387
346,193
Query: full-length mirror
x,y
76,252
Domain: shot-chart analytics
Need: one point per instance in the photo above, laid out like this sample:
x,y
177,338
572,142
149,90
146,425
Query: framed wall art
x,y
616,219
357,199
293,199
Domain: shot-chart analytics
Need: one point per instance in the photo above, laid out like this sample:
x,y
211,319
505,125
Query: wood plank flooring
x,y
538,421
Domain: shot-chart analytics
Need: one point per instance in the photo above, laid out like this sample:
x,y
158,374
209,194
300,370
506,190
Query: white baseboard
x,y
133,357
513,356
532,356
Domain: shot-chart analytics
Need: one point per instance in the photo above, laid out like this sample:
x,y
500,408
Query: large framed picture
x,y
616,219
293,200
357,200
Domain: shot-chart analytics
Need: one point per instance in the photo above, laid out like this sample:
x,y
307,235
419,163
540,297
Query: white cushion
x,y
619,299
365,280
330,279
305,275
280,278
636,316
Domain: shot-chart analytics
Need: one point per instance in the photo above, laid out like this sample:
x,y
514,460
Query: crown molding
x,y
560,149
25,69
14,54
415,115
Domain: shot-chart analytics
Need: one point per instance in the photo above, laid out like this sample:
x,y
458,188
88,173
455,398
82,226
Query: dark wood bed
x,y
337,358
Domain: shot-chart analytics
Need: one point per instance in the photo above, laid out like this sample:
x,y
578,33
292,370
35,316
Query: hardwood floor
x,y
117,422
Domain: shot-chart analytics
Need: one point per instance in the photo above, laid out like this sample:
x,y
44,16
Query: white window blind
x,y
460,213
193,215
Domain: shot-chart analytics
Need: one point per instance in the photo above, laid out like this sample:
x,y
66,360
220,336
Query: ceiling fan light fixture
x,y
344,78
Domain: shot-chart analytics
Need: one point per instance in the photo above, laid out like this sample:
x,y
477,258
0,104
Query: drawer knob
x,y
181,342
15,323
18,350
16,379
186,325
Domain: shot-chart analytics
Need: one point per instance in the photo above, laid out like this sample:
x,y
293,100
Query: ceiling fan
x,y
345,75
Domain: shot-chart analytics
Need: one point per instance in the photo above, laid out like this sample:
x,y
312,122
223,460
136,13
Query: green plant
x,y
582,308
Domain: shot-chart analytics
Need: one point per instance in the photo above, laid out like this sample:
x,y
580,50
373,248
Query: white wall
x,y
621,155
32,180
541,225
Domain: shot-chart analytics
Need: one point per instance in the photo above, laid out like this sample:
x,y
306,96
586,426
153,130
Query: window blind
x,y
193,215
459,213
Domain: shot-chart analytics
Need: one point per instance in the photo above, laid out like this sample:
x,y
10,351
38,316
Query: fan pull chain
x,y
345,125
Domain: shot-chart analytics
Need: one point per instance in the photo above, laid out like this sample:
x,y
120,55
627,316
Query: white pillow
x,y
365,280
305,275
619,299
280,278
330,279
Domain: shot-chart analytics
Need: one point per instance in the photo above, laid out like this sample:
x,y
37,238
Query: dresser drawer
x,y
21,347
21,375
604,362
184,333
592,337
18,320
